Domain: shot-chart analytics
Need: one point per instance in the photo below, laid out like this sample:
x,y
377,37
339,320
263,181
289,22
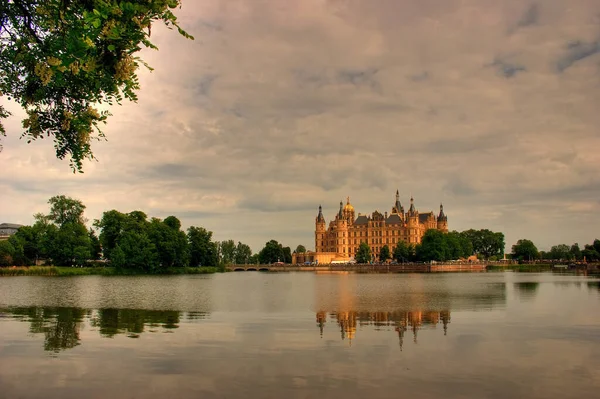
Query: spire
x,y
320,217
442,215
412,209
348,200
340,214
397,205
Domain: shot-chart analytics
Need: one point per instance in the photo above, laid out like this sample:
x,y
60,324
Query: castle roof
x,y
361,219
423,217
10,226
394,218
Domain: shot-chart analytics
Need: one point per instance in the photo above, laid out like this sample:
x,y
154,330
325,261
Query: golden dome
x,y
348,207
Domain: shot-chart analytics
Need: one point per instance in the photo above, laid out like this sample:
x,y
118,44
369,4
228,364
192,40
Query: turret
x,y
442,220
398,208
320,229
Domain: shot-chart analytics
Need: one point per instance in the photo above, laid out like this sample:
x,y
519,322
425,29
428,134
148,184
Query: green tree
x,y
111,226
287,255
486,242
227,250
525,250
60,59
96,247
170,242
70,245
363,255
271,253
300,249
434,246
243,253
7,252
560,252
402,252
575,251
384,254
203,251
65,209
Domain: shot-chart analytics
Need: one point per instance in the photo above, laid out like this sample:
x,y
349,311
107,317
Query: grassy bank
x,y
100,271
521,268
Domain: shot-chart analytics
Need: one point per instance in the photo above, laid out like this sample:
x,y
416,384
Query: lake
x,y
301,335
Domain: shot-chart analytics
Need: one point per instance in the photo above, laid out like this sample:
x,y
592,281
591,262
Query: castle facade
x,y
339,240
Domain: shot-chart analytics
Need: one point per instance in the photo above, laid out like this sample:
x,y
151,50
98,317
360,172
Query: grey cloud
x,y
577,51
306,77
204,86
529,17
465,145
359,77
506,68
419,77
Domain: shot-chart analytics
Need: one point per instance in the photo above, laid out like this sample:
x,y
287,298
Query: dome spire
x,y
442,215
412,209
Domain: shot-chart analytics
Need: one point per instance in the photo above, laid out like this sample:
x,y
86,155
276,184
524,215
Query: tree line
x,y
127,240
525,250
438,246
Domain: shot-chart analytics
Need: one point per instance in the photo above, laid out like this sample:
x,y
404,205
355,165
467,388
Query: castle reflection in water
x,y
400,321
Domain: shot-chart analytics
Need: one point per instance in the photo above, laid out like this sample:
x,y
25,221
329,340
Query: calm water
x,y
301,335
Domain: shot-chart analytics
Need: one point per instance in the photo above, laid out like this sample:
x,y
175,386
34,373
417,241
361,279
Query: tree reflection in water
x,y
61,326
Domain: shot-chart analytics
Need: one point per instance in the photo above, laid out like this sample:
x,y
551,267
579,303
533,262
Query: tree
x,y
486,242
6,253
287,255
227,249
111,226
402,252
66,210
60,59
70,245
300,249
525,250
560,252
271,253
575,251
203,251
363,255
170,242
243,253
96,247
384,253
434,246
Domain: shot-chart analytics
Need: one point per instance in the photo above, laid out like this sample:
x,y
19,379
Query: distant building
x,y
8,229
340,241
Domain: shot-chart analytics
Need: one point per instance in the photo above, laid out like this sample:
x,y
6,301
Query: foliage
x,y
7,252
243,253
95,246
203,251
70,245
300,249
271,253
287,255
363,255
486,242
560,252
61,59
227,251
65,210
384,254
525,250
402,252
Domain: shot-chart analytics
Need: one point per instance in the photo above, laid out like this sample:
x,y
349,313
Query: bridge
x,y
363,268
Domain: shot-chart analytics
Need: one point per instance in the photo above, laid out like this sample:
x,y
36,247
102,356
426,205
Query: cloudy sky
x,y
491,107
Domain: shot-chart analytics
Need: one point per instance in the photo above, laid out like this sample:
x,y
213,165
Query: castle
x,y
339,241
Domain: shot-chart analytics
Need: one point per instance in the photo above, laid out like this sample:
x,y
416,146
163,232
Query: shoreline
x,y
59,271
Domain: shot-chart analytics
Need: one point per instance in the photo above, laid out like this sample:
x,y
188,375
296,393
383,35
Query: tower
x,y
341,231
320,230
442,220
413,223
398,208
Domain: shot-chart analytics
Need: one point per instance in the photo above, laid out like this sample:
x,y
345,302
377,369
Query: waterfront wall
x,y
350,268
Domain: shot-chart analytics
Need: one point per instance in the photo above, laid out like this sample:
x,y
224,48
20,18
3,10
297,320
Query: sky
x,y
489,107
